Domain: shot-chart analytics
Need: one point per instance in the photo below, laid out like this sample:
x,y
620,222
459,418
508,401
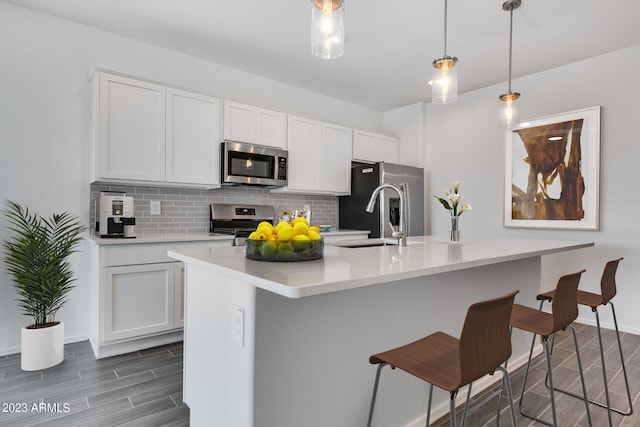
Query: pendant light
x,y
327,28
444,82
509,104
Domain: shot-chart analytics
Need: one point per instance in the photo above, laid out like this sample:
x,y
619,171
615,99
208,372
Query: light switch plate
x,y
237,325
156,207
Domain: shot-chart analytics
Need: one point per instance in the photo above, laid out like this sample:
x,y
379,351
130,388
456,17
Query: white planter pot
x,y
42,348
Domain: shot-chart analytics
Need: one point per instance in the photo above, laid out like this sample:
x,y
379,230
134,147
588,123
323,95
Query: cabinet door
x,y
138,300
336,148
365,146
387,149
305,157
193,138
178,317
239,122
131,123
271,128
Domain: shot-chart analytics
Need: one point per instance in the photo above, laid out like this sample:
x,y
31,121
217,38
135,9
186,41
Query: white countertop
x,y
192,237
346,268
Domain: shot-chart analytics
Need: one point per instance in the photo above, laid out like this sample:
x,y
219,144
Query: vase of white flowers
x,y
453,203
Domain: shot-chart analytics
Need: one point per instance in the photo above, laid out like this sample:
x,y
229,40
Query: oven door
x,y
249,164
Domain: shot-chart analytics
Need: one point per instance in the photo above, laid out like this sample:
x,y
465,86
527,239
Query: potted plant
x,y
36,256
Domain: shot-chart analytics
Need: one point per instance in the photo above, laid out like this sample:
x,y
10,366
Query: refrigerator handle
x,y
407,209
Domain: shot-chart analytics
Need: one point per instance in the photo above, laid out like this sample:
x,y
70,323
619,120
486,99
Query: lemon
x,y
301,243
269,249
313,235
266,224
280,225
285,250
298,219
300,228
285,233
265,229
314,228
257,235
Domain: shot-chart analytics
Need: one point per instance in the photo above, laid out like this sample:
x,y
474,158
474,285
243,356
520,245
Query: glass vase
x,y
454,236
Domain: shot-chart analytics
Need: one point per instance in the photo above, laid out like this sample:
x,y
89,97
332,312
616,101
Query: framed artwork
x,y
552,172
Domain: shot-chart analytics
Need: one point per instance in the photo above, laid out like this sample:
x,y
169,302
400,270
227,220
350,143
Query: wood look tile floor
x,y
145,388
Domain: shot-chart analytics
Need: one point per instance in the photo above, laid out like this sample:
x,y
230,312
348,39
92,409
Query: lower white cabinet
x,y
139,300
137,296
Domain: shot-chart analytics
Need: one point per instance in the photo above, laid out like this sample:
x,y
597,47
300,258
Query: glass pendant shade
x,y
327,28
509,108
444,82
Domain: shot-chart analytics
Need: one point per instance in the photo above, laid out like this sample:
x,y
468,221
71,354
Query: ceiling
x,y
390,44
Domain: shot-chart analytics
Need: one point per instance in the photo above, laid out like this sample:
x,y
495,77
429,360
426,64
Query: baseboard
x,y
8,351
591,321
478,387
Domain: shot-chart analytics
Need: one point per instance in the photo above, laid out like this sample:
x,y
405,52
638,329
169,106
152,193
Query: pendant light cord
x,y
510,43
445,27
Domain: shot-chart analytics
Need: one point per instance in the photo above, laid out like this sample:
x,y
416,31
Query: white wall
x,y
45,110
465,143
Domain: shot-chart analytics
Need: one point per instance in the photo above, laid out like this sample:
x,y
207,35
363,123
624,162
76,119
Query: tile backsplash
x,y
187,210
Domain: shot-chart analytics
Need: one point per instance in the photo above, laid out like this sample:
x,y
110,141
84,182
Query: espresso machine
x,y
116,215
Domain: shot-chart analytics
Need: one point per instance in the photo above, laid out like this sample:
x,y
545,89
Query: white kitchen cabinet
x,y
255,125
372,147
145,133
336,149
319,157
138,300
137,295
129,129
192,138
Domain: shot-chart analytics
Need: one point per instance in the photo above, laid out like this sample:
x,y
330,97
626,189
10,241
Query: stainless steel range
x,y
238,220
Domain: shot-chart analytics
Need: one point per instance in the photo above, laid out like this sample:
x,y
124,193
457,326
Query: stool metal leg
x,y
624,370
429,404
551,393
584,387
607,405
452,409
375,392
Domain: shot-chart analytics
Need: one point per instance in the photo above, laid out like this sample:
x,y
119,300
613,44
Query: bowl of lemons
x,y
287,241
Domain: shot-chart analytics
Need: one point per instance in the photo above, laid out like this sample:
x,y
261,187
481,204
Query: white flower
x,y
453,199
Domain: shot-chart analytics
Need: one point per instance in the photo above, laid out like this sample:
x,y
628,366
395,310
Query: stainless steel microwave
x,y
250,164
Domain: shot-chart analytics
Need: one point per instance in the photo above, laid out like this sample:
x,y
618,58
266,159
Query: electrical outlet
x,y
156,207
237,325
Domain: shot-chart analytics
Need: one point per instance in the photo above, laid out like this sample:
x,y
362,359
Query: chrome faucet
x,y
396,233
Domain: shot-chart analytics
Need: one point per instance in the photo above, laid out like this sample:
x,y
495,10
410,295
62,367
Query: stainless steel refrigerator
x,y
364,179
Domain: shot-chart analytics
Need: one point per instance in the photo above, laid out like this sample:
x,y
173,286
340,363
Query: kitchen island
x,y
287,344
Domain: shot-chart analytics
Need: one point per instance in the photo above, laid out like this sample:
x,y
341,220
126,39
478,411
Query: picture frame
x,y
552,172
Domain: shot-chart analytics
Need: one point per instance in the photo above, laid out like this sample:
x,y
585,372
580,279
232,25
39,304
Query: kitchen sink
x,y
365,243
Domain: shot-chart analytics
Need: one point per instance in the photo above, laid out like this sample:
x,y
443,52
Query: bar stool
x,y
451,363
608,291
564,312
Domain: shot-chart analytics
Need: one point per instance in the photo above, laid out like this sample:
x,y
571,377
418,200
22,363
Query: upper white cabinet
x,y
192,138
372,147
246,123
129,129
151,134
319,157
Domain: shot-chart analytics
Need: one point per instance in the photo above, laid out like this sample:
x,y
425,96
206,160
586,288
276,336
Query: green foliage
x,y
36,256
